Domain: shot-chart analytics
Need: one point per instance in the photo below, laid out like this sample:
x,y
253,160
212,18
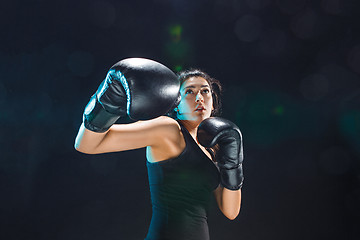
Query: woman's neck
x,y
191,126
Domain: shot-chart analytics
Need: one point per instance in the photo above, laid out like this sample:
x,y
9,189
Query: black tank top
x,y
181,189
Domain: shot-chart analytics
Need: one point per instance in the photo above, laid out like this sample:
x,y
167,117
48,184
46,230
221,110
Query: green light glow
x,y
349,125
178,68
175,32
178,52
278,110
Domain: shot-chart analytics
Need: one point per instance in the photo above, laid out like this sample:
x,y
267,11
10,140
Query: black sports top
x,y
181,188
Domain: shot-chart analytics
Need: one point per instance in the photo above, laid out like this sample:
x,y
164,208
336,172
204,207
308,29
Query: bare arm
x,y
229,160
135,87
229,201
121,137
87,141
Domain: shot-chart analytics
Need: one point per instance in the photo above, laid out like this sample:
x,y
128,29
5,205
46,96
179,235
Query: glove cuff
x,y
232,179
96,118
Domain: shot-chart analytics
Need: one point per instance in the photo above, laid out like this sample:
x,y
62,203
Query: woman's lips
x,y
198,109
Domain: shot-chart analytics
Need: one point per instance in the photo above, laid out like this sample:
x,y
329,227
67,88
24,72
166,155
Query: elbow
x,y
77,145
79,141
84,151
231,212
231,203
232,215
81,149
78,148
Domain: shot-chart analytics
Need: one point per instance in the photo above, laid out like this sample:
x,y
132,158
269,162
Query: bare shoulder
x,y
166,121
170,144
167,125
164,128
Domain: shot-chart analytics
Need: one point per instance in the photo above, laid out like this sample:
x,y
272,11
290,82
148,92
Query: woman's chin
x,y
202,116
196,116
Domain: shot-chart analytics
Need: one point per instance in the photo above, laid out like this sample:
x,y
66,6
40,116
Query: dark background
x,y
290,70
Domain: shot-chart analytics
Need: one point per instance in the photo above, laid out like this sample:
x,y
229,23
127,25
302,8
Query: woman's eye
x,y
206,91
188,91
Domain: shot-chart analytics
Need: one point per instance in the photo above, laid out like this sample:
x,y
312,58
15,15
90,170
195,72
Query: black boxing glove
x,y
215,130
140,88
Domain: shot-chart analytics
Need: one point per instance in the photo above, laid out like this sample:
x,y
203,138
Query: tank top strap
x,y
212,153
190,140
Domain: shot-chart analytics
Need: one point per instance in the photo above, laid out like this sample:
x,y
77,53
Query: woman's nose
x,y
199,97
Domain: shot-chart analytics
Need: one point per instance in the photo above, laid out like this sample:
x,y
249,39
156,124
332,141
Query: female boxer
x,y
183,170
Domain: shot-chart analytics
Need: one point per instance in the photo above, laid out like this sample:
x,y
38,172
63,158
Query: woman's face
x,y
196,100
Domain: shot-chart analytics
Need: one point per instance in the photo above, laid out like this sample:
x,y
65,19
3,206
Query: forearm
x,y
229,201
86,141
